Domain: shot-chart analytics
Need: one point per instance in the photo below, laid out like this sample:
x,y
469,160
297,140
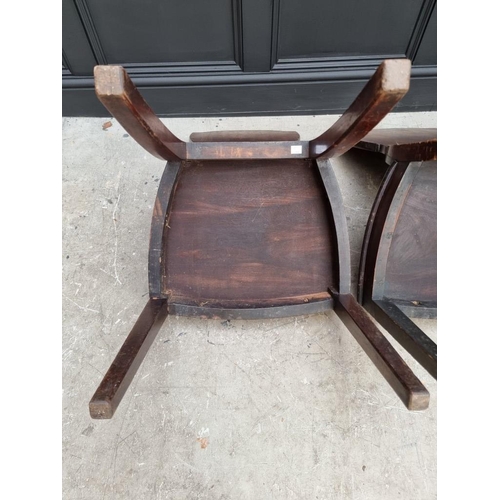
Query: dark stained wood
x,y
245,136
390,364
426,309
315,304
121,98
398,266
121,372
342,254
383,91
407,333
247,225
249,231
374,227
246,150
159,224
403,144
406,266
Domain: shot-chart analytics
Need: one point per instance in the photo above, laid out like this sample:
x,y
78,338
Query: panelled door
x,y
244,57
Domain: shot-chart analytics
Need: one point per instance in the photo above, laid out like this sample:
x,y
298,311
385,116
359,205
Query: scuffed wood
x,y
121,98
390,364
128,360
402,144
245,136
383,91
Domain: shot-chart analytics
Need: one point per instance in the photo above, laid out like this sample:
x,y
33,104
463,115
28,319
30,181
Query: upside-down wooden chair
x,y
250,225
398,265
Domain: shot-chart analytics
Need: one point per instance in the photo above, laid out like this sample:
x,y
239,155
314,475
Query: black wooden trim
x,y
275,33
65,64
77,52
180,309
258,99
88,23
257,34
361,62
419,28
168,70
238,33
161,214
189,76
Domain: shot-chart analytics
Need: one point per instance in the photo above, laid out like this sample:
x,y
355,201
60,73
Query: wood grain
x,y
121,372
245,136
250,232
403,144
398,266
246,150
383,91
410,257
121,98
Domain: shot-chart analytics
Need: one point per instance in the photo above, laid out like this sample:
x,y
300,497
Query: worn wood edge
x,y
177,308
245,136
120,96
391,365
109,394
420,149
247,150
159,220
422,348
101,409
414,152
341,234
395,76
237,303
387,86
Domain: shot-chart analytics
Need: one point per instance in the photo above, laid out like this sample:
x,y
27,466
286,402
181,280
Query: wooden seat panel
x,y
249,233
411,272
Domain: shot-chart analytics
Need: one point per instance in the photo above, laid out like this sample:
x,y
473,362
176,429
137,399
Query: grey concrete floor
x,y
277,409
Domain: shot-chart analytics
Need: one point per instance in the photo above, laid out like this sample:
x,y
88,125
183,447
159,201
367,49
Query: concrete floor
x,y
277,409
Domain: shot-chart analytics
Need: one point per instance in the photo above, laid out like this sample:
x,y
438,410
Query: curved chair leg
x,y
121,98
383,91
390,364
121,372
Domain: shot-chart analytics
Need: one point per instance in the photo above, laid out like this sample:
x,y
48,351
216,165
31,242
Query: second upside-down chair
x,y
250,225
398,265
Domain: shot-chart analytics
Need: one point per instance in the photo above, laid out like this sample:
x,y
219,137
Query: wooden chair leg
x,y
390,364
407,333
121,98
121,372
383,91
